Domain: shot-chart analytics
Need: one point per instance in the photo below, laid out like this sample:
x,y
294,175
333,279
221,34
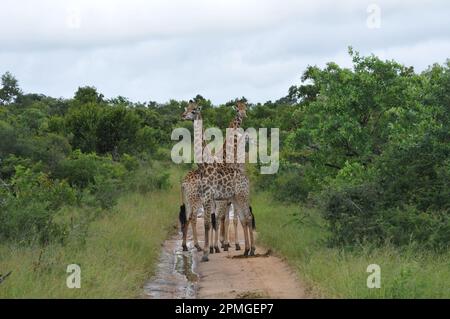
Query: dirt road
x,y
226,275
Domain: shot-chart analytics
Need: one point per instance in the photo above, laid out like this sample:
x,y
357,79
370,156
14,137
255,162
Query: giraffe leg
x,y
240,209
194,234
194,227
236,237
211,242
214,233
222,231
226,243
247,246
252,239
251,228
206,248
221,207
207,220
216,239
250,224
185,230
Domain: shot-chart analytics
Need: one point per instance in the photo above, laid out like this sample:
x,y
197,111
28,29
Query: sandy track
x,y
259,277
182,275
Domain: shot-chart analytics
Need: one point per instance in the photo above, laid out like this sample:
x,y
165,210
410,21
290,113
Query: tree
x,y
81,123
10,89
88,94
116,130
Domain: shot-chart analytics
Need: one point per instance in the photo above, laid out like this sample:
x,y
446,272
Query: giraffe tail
x,y
253,218
182,216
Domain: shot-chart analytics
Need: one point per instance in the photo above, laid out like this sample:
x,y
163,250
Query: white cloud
x,y
221,49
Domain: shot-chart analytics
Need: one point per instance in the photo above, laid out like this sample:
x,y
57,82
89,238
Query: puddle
x,y
175,275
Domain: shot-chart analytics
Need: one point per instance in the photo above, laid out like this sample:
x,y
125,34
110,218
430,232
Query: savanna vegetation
x,y
364,179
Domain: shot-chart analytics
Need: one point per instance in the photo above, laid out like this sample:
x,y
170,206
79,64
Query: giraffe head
x,y
191,112
241,109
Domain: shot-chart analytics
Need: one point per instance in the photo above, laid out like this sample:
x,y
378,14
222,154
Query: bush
x,y
352,214
106,191
130,162
29,206
116,130
356,214
147,179
81,169
409,224
290,184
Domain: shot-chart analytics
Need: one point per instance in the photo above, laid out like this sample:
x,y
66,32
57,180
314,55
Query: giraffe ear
x,y
234,107
185,108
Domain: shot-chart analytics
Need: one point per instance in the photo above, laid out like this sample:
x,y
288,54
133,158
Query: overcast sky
x,y
222,49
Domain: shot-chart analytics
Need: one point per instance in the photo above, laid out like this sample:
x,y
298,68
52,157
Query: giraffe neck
x,y
199,142
234,124
237,121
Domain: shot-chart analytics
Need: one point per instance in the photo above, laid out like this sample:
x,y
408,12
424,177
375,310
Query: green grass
x,y
117,257
298,234
120,249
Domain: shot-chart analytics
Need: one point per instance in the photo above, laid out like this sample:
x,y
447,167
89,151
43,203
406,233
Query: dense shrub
x,y
376,138
290,184
116,130
29,206
82,169
358,214
147,179
352,214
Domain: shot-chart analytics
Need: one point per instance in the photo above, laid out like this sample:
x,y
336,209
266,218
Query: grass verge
x,y
117,254
298,234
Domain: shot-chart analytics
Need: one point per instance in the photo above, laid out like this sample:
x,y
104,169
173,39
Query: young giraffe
x,y
219,181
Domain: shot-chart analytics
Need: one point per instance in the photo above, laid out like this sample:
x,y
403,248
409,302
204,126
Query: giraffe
x,y
191,206
191,194
223,207
219,181
220,218
190,187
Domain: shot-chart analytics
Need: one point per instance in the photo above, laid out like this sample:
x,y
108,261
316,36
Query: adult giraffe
x,y
190,185
223,207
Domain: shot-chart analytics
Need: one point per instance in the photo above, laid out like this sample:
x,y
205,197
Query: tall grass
x,y
298,234
116,257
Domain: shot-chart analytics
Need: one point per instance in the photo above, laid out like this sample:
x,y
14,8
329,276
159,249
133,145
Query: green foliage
x,y
81,169
88,147
9,90
82,122
87,95
360,213
369,143
147,179
340,272
130,162
8,138
116,130
28,209
49,149
289,185
376,140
